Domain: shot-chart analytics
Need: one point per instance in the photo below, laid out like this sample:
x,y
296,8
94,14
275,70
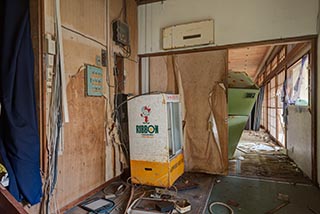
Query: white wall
x,y
299,138
235,21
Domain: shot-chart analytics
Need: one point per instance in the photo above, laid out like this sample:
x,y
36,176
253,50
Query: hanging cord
x,y
221,204
213,95
54,140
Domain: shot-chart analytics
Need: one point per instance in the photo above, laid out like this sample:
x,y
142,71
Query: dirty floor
x,y
257,156
261,179
253,196
195,187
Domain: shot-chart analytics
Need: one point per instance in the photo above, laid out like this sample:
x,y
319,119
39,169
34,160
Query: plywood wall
x,y
318,103
299,138
196,78
162,75
88,157
201,76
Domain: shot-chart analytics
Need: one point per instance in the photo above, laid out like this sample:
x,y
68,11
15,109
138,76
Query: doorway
x,y
277,142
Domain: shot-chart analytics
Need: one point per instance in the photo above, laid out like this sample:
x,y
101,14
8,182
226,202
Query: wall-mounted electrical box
x,y
186,35
120,33
94,81
155,133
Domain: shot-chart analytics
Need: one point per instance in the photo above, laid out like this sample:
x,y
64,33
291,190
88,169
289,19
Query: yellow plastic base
x,y
156,173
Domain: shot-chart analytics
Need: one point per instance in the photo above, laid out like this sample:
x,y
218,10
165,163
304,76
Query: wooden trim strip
x,y
238,45
292,57
314,88
140,76
141,2
87,195
9,204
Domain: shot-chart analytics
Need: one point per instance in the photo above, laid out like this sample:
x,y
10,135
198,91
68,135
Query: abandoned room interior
x,y
159,106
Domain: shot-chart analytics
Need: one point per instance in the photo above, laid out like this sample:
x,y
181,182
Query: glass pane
x,y
281,127
169,105
176,127
298,83
282,54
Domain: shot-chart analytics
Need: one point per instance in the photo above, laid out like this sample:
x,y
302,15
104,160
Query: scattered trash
x,y
283,197
238,166
184,184
165,206
233,203
262,147
221,204
161,191
218,181
276,209
277,148
183,206
150,206
240,158
98,205
313,211
110,196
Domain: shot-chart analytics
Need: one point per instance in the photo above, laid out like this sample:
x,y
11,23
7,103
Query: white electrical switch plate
x,y
50,60
49,74
50,45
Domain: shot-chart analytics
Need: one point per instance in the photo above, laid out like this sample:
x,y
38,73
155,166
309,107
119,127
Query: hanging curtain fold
x,y
19,138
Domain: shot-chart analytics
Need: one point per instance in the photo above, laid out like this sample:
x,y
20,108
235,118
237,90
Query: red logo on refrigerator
x,y
145,113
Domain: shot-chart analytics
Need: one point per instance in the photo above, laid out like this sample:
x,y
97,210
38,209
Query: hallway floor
x,y
257,156
253,196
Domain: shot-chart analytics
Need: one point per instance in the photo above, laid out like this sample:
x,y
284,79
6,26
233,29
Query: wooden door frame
x,y
37,32
314,87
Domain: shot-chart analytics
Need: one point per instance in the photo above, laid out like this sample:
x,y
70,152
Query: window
x,y
280,101
298,82
282,54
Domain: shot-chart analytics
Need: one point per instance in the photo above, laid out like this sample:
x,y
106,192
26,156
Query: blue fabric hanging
x,y
19,138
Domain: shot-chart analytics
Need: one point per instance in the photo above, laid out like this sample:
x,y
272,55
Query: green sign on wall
x,y
94,81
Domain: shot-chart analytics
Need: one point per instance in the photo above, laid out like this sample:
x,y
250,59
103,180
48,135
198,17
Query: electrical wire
x,y
83,35
221,204
54,140
139,95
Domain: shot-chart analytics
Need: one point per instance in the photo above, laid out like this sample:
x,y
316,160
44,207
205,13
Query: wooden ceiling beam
x,y
140,2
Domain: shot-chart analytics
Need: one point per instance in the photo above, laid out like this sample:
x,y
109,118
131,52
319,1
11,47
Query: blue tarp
x,y
19,138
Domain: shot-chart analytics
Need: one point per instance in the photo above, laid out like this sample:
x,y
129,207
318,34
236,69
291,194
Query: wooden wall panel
x,y
131,66
87,17
197,75
82,165
87,162
158,74
162,74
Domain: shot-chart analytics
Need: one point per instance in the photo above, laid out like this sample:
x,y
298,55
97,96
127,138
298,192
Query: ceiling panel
x,y
139,2
247,59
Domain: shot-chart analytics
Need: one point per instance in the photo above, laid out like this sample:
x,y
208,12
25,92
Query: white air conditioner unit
x,y
187,35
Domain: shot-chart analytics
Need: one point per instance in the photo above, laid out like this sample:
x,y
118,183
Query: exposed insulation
x,y
200,74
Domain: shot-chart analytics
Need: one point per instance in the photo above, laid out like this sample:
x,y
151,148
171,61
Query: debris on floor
x,y
189,194
276,209
148,205
183,206
258,142
282,197
271,167
257,156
